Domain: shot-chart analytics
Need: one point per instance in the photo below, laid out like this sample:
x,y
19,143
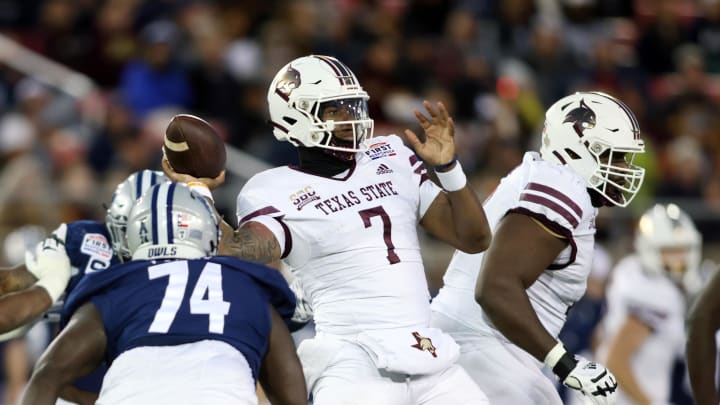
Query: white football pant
x,y
351,378
199,373
504,372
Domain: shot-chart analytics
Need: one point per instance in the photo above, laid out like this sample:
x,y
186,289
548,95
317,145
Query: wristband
x,y
446,165
202,189
453,179
560,361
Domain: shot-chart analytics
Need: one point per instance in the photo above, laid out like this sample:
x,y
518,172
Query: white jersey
x,y
555,196
658,303
352,239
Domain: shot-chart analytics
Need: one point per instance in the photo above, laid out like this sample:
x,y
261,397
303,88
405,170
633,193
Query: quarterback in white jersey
x,y
643,329
352,239
543,220
345,220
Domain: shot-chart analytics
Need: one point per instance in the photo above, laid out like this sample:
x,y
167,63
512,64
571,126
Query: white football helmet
x,y
597,136
666,228
123,199
172,222
301,91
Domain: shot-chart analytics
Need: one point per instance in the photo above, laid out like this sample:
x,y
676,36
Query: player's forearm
x,y
281,374
15,279
701,352
619,365
251,242
41,390
22,307
75,395
469,221
517,322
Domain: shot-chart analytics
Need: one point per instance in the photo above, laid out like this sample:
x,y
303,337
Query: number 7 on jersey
x,y
379,211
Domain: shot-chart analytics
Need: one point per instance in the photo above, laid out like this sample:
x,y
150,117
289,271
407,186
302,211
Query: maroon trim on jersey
x,y
288,237
413,159
559,157
559,209
557,194
555,227
423,178
262,211
350,173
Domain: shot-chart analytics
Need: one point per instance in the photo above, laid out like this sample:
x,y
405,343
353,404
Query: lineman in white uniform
x,y
643,330
346,221
543,220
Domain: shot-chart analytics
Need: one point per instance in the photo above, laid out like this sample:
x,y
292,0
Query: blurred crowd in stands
x,y
496,64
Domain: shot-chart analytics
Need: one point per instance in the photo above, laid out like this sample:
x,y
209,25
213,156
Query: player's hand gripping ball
x,y
192,146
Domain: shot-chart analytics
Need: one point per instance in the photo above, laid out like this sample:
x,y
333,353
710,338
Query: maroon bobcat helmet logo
x,y
581,117
289,81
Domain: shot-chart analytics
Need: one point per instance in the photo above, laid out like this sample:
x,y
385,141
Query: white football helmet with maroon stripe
x,y
300,92
597,136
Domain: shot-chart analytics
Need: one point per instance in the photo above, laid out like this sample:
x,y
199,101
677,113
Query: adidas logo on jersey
x,y
383,169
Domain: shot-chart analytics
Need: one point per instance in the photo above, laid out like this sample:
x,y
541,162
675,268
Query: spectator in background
x,y
154,80
685,167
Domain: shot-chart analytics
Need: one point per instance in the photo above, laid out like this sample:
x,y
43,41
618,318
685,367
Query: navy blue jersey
x,y
163,303
88,246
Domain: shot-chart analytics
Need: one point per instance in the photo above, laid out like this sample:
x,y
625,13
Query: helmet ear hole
x,y
289,120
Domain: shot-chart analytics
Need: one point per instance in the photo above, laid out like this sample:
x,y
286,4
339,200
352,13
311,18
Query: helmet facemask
x,y
340,125
616,177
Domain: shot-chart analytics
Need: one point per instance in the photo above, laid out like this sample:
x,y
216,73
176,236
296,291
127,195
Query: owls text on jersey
x,y
88,247
554,196
351,239
222,298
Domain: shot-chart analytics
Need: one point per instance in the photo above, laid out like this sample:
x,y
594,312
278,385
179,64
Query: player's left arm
x,y
631,336
455,216
701,347
458,218
281,374
520,251
76,351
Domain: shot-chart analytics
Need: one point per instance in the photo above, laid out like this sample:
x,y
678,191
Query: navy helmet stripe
x,y
154,215
138,184
168,213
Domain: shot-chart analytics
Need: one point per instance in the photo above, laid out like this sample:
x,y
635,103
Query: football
x,y
192,146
